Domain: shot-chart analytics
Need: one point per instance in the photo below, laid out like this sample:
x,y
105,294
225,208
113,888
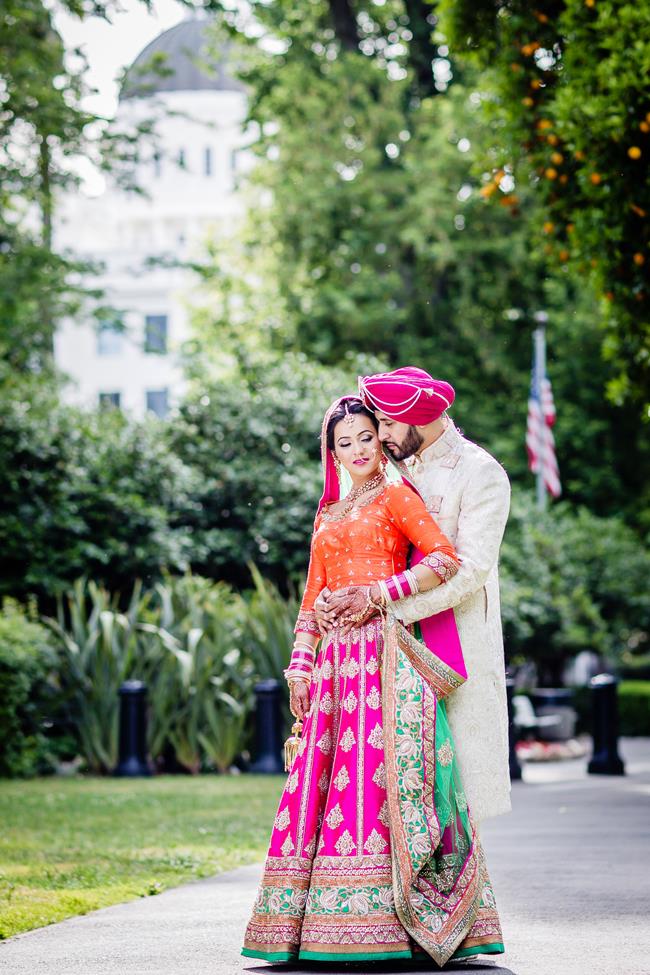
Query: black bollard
x,y
133,730
605,759
268,728
515,767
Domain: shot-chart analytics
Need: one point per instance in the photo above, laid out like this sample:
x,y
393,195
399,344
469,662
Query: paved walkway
x,y
570,871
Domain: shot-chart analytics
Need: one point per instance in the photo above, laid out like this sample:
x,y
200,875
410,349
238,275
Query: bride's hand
x,y
299,699
324,616
351,607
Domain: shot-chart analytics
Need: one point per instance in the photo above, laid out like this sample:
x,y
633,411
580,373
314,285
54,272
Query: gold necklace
x,y
373,482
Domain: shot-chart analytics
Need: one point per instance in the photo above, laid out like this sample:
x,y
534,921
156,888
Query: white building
x,y
190,182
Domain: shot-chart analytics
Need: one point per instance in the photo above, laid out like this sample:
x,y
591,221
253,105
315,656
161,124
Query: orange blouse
x,y
371,543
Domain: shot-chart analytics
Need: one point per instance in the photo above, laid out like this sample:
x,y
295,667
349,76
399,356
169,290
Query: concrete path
x,y
570,867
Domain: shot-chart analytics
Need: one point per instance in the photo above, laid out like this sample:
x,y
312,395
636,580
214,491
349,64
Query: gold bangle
x,y
296,680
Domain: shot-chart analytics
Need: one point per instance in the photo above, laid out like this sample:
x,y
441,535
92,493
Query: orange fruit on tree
x,y
557,158
550,173
644,126
548,227
545,123
579,155
552,139
634,152
590,3
564,179
596,178
638,259
564,255
527,101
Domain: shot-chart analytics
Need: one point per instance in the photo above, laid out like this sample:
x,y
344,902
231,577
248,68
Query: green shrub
x,y
634,707
25,662
199,646
84,494
97,648
572,581
201,690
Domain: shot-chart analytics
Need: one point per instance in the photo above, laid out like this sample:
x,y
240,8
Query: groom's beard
x,y
409,445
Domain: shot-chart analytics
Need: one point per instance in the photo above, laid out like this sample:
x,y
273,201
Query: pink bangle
x,y
400,586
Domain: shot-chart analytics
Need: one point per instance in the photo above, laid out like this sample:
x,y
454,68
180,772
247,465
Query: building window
x,y
207,161
158,402
181,159
109,401
109,338
155,333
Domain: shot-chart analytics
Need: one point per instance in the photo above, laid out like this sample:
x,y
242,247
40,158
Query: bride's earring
x,y
337,464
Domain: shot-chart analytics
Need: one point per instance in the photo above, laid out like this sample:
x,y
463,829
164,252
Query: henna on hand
x,y
299,699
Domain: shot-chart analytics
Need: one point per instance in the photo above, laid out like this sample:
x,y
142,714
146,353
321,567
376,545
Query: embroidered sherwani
x,y
468,494
373,852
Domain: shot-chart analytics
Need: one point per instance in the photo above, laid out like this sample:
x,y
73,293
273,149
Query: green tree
x,y
377,238
572,98
44,131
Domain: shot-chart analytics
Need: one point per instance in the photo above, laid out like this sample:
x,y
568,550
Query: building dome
x,y
181,56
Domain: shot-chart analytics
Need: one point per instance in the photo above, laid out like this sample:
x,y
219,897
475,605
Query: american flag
x,y
540,443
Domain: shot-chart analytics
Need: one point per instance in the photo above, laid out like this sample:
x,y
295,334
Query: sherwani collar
x,y
448,442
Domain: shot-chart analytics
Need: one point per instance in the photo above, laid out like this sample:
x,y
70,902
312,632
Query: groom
x,y
468,494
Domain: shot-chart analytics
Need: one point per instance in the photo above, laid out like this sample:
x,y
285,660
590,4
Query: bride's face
x,y
357,446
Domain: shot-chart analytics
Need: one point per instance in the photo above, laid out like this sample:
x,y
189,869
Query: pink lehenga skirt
x,y
373,853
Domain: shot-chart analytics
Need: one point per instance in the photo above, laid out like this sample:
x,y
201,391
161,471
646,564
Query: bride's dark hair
x,y
351,406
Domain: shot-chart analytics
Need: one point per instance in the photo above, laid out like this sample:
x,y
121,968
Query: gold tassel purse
x,y
291,745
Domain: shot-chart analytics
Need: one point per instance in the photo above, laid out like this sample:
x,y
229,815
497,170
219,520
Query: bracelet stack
x,y
399,586
302,662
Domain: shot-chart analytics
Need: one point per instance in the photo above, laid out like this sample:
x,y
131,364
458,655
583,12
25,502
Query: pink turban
x,y
409,395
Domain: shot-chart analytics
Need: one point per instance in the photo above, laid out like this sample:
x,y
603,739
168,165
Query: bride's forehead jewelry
x,y
349,417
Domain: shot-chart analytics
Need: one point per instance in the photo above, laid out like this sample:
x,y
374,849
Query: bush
x,y
252,441
84,494
572,581
634,707
199,646
25,662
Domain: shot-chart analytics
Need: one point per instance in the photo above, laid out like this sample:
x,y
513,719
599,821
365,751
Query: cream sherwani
x,y
468,494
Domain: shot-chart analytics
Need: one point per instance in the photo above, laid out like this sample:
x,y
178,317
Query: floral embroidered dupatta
x,y
443,896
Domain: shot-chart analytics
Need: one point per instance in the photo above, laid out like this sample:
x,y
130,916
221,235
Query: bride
x,y
373,852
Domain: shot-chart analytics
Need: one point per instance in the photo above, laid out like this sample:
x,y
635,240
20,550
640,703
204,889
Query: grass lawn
x,y
68,846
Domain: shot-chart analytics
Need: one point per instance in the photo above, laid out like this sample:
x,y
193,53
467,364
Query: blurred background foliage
x,y
569,92
409,204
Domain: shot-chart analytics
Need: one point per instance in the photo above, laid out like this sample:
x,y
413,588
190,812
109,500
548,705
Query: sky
x,y
110,47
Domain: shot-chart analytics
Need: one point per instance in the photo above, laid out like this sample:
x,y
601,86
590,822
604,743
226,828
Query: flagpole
x,y
539,358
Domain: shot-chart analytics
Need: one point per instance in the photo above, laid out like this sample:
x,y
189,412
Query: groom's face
x,y
399,440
